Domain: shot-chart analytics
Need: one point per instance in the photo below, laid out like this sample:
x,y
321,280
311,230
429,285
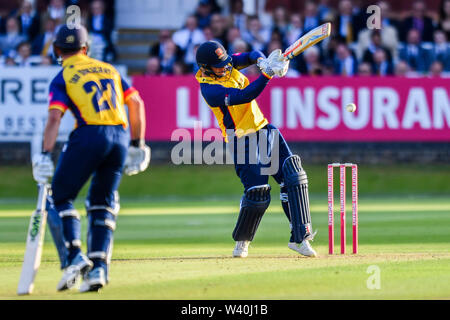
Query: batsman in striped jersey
x,y
231,97
98,147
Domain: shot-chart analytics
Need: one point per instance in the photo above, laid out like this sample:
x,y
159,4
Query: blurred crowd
x,y
413,42
410,42
27,30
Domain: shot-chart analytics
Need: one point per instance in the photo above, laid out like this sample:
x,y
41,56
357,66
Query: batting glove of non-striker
x,y
42,167
138,158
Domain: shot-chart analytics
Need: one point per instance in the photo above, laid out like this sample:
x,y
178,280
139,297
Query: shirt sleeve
x,y
58,97
243,60
219,96
128,90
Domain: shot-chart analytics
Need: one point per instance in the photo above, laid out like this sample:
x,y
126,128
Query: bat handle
x,y
42,196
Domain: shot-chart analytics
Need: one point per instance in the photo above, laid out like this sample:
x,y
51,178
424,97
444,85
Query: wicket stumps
x,y
342,167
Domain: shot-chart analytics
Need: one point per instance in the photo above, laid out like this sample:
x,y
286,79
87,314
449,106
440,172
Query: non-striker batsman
x,y
98,147
232,99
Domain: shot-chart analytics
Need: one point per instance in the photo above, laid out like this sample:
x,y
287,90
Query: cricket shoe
x,y
94,280
303,248
79,266
241,249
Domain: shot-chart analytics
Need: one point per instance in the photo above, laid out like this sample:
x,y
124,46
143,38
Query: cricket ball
x,y
351,107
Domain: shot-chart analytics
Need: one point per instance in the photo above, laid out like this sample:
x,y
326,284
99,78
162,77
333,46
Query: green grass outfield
x,y
176,244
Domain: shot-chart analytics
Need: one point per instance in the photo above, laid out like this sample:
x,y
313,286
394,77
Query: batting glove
x,y
263,65
278,63
42,167
138,158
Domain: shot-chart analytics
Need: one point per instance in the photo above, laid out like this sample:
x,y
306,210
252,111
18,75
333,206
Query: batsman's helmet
x,y
212,54
73,38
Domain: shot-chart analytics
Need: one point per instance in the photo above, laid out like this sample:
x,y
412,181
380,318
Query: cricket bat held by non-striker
x,y
308,40
35,240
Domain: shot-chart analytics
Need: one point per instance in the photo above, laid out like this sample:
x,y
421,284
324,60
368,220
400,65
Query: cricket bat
x,y
311,38
35,240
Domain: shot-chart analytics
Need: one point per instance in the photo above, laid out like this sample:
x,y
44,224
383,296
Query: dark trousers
x,y
260,155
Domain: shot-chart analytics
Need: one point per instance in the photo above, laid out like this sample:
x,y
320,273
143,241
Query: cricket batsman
x,y
98,147
232,100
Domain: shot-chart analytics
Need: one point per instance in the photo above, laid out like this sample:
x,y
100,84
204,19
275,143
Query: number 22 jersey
x,y
93,90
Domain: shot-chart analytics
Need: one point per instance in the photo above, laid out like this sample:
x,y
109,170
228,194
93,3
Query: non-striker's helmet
x,y
71,38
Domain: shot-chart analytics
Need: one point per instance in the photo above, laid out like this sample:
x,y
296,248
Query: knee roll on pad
x,y
296,183
254,203
101,218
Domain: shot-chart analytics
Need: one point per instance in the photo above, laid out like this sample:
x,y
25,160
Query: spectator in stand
x,y
273,45
329,52
219,28
100,27
240,46
364,69
313,67
280,20
158,49
256,35
381,65
169,57
12,38
295,28
153,67
56,10
237,15
388,17
418,21
402,69
29,21
208,34
43,43
388,32
347,24
24,57
180,68
215,8
187,38
232,35
311,16
203,13
436,69
444,17
9,62
345,64
413,53
47,61
277,35
376,44
324,10
440,50
84,6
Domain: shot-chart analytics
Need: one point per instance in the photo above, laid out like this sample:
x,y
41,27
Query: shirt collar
x,y
73,59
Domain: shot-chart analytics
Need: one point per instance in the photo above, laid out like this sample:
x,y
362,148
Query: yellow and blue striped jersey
x,y
93,90
232,98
